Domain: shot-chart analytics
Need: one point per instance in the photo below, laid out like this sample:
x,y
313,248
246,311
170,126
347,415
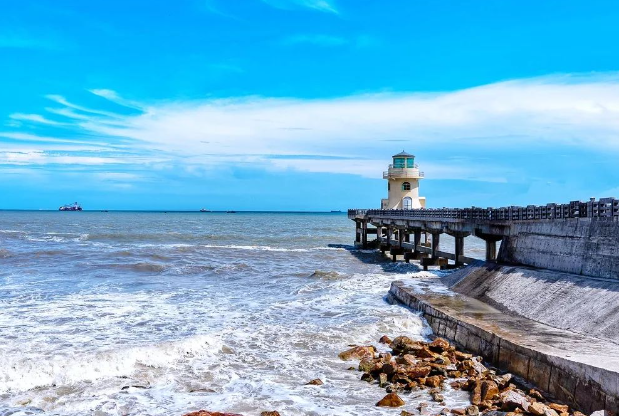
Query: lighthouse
x,y
403,178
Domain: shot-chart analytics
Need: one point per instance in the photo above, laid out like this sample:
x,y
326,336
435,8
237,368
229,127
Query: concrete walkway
x,y
578,370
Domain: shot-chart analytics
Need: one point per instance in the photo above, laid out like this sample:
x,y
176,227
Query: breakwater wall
x,y
584,246
581,304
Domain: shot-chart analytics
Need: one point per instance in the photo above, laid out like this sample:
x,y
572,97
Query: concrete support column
x,y
357,231
389,234
379,233
435,244
416,240
490,250
491,240
407,237
364,234
459,249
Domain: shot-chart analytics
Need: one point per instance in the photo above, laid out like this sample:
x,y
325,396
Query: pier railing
x,y
603,208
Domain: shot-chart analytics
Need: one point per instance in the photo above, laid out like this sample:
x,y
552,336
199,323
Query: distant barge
x,y
71,207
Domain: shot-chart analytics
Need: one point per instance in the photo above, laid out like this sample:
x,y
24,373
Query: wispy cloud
x,y
350,132
361,41
326,6
317,39
19,39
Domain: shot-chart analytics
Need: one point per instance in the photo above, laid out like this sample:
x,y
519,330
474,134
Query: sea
x,y
144,313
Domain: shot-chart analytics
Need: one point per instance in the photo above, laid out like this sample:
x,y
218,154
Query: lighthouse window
x,y
410,163
398,162
406,186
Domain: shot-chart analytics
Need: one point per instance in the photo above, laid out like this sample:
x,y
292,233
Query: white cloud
x,y
355,132
319,5
317,39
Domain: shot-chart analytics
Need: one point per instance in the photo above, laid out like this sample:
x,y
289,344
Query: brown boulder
x,y
273,413
385,340
433,381
439,344
416,372
315,382
472,411
511,400
404,344
537,408
391,400
458,412
489,390
358,353
561,408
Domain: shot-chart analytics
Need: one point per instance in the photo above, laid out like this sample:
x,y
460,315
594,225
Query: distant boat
x,y
335,210
71,207
231,212
205,210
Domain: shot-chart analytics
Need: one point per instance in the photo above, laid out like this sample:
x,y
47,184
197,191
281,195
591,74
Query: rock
x,y
367,365
416,372
358,353
439,344
476,394
444,411
561,408
425,352
405,413
382,380
433,381
536,394
437,397
391,400
389,369
404,344
206,413
537,408
367,377
503,381
315,382
385,340
273,413
462,355
458,412
489,390
472,411
511,400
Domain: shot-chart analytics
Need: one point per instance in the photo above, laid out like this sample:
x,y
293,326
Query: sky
x,y
300,104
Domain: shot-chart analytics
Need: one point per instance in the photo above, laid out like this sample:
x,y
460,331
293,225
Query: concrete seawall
x,y
586,305
579,370
585,246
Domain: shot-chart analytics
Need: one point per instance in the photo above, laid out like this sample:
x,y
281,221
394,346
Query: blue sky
x,y
299,104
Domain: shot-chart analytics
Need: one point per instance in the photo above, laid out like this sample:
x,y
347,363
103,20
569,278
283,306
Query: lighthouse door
x,y
407,203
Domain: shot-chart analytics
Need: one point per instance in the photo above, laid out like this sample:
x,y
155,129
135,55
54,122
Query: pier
x,y
401,231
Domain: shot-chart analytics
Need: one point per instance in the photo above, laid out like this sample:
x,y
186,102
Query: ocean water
x,y
161,314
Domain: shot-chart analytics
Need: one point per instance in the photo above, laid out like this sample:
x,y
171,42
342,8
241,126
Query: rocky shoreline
x,y
418,365
414,365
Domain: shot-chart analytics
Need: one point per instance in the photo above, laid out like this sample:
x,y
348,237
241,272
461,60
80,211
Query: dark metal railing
x,y
603,208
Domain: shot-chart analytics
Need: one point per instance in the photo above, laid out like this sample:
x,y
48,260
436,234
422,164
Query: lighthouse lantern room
x,y
403,178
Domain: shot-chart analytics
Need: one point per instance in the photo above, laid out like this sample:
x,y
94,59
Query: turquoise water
x,y
153,313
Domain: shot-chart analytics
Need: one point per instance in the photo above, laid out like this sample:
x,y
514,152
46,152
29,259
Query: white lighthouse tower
x,y
403,184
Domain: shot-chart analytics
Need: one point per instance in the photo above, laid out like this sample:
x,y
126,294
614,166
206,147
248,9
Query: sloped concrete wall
x,y
578,245
580,304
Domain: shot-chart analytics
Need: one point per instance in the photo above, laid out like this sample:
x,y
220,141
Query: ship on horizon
x,y
71,207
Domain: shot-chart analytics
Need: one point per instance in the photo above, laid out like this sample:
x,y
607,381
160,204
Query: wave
x,y
139,267
321,274
21,373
